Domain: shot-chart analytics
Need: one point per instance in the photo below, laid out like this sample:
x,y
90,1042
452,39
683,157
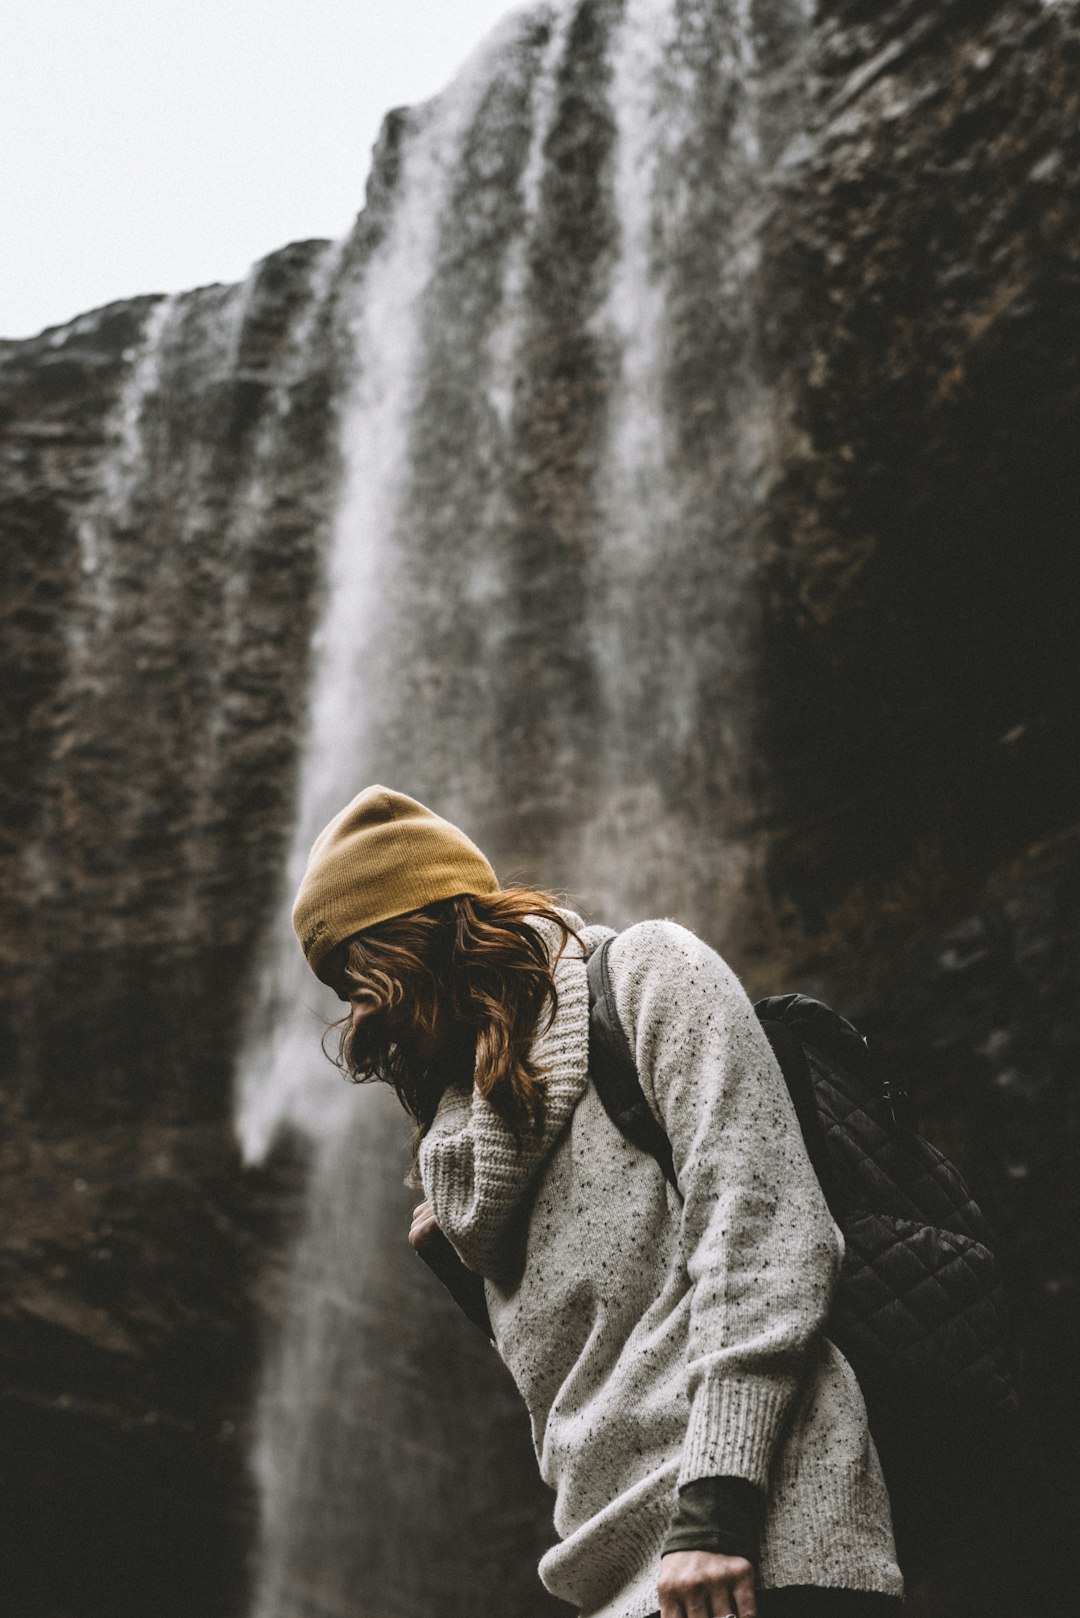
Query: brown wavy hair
x,y
458,991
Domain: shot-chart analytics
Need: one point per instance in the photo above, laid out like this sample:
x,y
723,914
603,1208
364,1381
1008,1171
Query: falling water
x,y
120,471
257,489
329,1392
385,333
540,616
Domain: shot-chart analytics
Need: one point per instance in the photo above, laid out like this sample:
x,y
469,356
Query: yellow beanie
x,y
383,855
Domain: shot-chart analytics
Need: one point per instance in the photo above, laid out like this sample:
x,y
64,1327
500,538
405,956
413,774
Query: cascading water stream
x,y
253,499
120,472
540,615
384,330
306,1456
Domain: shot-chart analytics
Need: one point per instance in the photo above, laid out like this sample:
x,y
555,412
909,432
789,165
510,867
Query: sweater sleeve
x,y
761,1250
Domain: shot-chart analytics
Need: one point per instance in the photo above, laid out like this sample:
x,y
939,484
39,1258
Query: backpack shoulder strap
x,y
615,1075
614,1071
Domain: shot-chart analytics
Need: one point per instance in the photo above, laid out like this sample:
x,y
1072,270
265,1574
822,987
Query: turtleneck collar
x,y
474,1173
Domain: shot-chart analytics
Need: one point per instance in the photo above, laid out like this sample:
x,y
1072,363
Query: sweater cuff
x,y
721,1515
733,1428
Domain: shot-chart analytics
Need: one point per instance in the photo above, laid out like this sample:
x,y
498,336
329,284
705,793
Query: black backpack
x,y
919,1311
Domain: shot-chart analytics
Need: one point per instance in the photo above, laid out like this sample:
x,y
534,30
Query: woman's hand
x,y
697,1584
424,1225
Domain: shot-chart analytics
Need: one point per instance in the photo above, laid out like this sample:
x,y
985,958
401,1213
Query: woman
x,y
707,1445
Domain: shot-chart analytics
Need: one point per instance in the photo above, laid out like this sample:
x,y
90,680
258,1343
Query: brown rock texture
x,y
137,1261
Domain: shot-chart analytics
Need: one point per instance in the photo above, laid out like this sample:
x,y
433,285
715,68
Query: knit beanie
x,y
383,855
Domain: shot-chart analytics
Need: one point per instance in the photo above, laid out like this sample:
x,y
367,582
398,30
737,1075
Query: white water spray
x,y
120,472
283,1076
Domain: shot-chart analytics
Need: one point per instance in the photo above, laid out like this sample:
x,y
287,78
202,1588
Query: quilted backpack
x,y
919,1309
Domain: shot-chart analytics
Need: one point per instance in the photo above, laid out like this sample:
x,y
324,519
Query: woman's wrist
x,y
721,1515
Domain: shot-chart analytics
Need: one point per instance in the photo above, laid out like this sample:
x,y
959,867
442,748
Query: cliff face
x,y
674,476
159,614
920,549
136,1260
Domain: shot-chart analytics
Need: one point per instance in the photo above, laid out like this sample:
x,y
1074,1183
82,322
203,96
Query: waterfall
x,y
385,333
540,616
257,490
120,471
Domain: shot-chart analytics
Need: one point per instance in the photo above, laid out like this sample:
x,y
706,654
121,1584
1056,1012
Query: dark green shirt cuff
x,y
721,1515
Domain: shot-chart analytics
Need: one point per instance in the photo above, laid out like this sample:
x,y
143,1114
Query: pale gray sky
x,y
153,145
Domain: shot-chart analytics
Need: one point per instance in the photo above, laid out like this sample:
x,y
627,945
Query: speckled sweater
x,y
655,1338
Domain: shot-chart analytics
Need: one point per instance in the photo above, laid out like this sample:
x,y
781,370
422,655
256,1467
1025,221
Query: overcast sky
x,y
153,145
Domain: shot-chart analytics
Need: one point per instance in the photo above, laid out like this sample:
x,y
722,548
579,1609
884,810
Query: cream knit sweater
x,y
656,1339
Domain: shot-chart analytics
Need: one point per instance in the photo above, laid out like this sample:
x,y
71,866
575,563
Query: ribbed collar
x,y
474,1173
